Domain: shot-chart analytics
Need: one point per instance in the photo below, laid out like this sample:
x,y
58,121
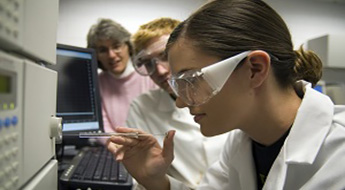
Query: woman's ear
x,y
259,63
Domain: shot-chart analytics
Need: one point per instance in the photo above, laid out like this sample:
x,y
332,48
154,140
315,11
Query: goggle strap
x,y
217,74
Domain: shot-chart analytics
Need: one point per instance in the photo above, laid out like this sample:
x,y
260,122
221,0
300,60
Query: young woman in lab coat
x,y
155,111
234,67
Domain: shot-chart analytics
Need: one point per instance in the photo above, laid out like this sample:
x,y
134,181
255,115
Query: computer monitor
x,y
78,99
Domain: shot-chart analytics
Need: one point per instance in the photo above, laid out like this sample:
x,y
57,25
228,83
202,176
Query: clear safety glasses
x,y
145,62
196,87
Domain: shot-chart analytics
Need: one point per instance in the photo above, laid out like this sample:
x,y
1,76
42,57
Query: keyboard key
x,y
91,166
114,171
107,169
99,169
122,173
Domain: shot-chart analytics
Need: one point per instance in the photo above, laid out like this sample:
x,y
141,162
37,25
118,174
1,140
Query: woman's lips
x,y
198,117
115,63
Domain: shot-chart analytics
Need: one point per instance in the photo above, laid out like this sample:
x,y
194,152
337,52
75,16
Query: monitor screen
x,y
78,100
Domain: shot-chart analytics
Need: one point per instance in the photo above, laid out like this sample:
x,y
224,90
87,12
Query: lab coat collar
x,y
314,118
244,155
165,102
307,134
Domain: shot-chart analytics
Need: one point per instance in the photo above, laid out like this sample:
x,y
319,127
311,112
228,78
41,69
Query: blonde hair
x,y
152,29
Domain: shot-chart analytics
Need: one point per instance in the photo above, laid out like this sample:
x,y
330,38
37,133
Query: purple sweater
x,y
117,94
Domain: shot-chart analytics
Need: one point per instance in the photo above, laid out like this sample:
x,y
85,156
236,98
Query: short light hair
x,y
152,29
107,29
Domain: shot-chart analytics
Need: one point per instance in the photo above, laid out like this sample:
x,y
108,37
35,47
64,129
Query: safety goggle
x,y
145,62
196,87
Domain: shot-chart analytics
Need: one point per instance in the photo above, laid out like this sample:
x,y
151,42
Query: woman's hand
x,y
143,157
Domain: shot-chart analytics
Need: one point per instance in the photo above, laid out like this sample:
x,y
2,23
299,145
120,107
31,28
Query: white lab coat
x,y
155,112
312,157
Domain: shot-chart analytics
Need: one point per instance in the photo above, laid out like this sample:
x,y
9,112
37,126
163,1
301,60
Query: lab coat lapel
x,y
165,102
277,175
299,149
243,163
186,129
316,123
181,115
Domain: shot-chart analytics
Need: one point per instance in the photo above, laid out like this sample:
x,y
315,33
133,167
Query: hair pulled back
x,y
224,28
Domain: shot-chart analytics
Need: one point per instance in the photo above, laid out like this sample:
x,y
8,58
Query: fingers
x,y
121,152
128,130
125,141
168,146
125,147
117,150
112,147
119,145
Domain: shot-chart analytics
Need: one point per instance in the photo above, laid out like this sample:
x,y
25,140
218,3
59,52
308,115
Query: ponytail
x,y
308,66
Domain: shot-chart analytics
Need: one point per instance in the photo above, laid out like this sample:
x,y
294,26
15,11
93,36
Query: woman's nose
x,y
112,53
161,68
179,103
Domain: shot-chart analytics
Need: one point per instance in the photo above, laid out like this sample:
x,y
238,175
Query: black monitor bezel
x,y
72,137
